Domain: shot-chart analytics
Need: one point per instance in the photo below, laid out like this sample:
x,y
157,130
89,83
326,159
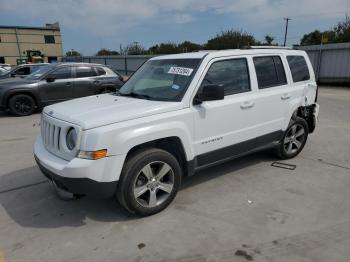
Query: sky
x,y
89,25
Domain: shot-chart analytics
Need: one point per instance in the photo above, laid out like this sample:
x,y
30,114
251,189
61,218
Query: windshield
x,y
162,80
42,70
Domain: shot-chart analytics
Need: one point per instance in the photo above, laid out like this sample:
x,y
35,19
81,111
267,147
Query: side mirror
x,y
13,75
121,78
210,93
50,79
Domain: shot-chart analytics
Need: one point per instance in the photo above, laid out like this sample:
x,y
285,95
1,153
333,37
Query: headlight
x,y
71,139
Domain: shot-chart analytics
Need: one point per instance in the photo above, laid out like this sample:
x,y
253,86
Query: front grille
x,y
51,135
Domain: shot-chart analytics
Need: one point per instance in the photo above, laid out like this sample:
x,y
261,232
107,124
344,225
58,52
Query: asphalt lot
x,y
243,210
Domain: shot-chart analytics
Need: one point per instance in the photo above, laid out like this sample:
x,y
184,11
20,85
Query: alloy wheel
x,y
154,184
294,139
23,105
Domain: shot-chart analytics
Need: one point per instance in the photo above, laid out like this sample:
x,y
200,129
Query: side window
x,y
23,71
100,71
299,68
85,71
62,73
269,71
232,74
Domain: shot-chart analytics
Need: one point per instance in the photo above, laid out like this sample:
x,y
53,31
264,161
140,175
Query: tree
x,y
173,48
315,37
73,53
135,49
269,39
230,39
339,34
342,31
106,52
164,48
188,46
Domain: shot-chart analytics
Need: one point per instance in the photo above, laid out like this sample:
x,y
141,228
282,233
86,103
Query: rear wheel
x,y
22,105
294,139
149,182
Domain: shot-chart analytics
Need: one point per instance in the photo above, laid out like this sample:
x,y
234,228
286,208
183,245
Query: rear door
x,y
272,97
59,89
86,82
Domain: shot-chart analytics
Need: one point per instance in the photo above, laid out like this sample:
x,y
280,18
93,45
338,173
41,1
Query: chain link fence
x,y
126,65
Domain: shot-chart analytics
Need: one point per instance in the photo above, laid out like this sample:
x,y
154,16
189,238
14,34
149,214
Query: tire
x,y
149,181
22,105
294,139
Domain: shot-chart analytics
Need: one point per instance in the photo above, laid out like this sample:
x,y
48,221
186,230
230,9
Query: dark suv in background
x,y
55,83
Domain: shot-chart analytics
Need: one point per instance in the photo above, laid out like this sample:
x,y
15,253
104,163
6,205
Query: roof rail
x,y
267,47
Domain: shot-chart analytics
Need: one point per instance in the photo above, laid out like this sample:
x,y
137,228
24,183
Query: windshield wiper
x,y
136,95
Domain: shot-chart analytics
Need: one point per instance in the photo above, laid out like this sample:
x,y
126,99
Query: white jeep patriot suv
x,y
178,114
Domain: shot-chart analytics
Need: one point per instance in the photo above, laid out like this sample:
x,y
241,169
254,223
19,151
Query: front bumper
x,y
97,178
80,186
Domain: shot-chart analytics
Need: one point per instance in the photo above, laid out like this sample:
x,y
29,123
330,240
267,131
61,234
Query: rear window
x,y
85,71
269,71
100,71
299,68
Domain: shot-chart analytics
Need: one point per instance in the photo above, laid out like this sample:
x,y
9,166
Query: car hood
x,y
100,110
10,82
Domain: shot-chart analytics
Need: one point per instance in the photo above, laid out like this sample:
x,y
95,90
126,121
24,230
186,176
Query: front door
x,y
226,127
57,86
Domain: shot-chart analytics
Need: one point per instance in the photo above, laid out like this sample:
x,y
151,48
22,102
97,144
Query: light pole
x,y
286,31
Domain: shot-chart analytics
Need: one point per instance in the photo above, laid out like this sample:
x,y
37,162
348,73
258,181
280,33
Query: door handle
x,y
312,85
68,83
96,82
285,96
247,105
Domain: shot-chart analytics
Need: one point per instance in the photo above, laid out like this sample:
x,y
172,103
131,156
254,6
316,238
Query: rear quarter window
x,y
298,67
101,71
85,71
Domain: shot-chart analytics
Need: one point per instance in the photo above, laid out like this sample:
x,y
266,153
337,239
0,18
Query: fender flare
x,y
141,135
16,91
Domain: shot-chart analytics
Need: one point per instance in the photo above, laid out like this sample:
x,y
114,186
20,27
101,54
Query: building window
x,y
52,59
49,39
2,60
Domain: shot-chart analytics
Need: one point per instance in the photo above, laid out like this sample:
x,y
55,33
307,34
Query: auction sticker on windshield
x,y
180,71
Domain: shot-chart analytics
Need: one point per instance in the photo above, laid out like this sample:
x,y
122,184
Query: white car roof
x,y
231,52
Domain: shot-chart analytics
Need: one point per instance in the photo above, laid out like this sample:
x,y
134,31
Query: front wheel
x,y
294,139
22,105
149,181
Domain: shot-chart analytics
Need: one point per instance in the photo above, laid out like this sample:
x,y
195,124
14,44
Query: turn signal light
x,y
93,155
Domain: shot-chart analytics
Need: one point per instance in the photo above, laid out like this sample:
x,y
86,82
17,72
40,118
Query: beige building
x,y
20,44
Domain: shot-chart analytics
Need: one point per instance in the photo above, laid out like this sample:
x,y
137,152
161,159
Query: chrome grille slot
x,y
50,134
